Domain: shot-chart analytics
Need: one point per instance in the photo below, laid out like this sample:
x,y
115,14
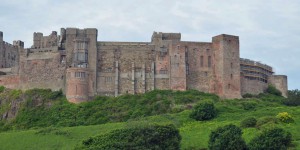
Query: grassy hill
x,y
52,123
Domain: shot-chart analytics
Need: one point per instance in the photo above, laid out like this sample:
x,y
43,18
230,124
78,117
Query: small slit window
x,y
209,61
201,61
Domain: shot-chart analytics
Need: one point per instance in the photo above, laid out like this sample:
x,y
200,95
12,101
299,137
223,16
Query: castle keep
x,y
76,62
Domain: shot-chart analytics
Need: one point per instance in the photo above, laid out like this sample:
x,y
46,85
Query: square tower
x,y
227,66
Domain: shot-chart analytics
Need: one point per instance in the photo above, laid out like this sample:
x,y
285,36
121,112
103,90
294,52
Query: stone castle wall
x,y
76,62
9,53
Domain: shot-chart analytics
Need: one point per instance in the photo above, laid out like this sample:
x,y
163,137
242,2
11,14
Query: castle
x,y
76,62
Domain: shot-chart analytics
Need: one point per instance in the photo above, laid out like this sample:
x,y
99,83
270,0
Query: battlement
x,y
226,36
82,32
18,43
166,36
40,41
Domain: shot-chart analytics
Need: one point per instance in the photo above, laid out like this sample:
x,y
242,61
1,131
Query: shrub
x,y
204,111
249,105
271,139
2,88
228,137
248,122
293,98
266,120
272,90
248,95
149,137
285,117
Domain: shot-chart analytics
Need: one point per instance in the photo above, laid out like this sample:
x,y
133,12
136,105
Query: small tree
x,y
272,90
204,111
271,139
248,122
285,117
228,137
293,98
154,137
2,88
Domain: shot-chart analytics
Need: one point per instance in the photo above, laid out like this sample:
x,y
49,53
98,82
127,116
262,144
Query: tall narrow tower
x,y
78,73
81,49
227,66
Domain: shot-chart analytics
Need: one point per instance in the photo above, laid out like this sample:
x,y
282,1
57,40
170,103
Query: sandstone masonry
x,y
76,62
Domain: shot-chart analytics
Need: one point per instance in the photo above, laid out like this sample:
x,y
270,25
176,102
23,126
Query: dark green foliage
x,y
248,95
52,130
249,105
154,137
248,122
266,120
44,108
272,90
204,111
273,139
2,88
270,97
293,98
228,137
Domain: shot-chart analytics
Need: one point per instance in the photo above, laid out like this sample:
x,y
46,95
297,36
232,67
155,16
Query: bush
x,y
149,137
266,120
293,98
248,95
204,111
249,105
272,139
248,122
2,88
228,137
285,117
272,90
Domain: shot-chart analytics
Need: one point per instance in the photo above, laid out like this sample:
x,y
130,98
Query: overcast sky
x,y
269,30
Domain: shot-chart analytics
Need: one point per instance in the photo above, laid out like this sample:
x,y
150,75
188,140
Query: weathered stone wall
x,y
40,41
9,54
252,86
114,68
199,73
42,70
177,67
71,34
124,68
10,81
77,84
280,82
227,66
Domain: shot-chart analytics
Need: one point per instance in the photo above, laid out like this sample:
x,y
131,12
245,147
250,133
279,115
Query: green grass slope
x,y
60,125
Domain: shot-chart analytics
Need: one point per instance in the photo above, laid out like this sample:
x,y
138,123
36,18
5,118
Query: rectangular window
x,y
82,74
201,61
108,79
163,71
77,74
187,69
209,61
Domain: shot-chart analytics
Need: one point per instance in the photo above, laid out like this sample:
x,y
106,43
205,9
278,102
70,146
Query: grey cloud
x,y
268,30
